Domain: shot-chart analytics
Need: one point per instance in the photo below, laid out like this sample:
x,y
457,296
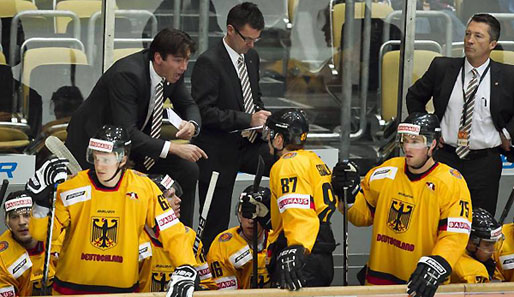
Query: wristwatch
x,y
197,128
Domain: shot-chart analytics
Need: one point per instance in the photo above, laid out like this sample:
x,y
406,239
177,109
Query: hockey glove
x,y
184,280
254,206
429,274
290,264
40,185
346,175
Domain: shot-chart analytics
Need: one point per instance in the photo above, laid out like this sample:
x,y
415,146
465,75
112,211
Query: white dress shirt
x,y
483,132
234,56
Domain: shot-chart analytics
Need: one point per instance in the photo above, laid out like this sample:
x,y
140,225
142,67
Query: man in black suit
x,y
225,84
130,94
474,98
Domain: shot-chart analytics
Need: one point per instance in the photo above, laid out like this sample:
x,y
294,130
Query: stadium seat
x,y
389,78
506,57
12,140
47,69
378,11
123,52
83,8
9,8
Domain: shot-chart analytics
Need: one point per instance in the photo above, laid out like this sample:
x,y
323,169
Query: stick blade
x,y
58,148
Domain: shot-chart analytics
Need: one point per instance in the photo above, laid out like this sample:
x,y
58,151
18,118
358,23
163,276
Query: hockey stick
x,y
507,207
345,235
256,183
3,189
58,148
205,210
48,244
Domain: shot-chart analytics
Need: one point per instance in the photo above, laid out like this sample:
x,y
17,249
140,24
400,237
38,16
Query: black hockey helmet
x,y
485,227
109,139
165,183
291,123
420,123
262,195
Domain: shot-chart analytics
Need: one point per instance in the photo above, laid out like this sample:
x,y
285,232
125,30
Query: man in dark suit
x,y
225,84
131,94
474,98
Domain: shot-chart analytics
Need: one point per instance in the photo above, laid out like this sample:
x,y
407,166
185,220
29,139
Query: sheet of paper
x,y
174,118
247,129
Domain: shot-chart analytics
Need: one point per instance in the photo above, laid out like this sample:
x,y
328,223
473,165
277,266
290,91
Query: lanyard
x,y
474,91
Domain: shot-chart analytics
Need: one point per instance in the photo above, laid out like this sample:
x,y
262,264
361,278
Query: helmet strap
x,y
115,173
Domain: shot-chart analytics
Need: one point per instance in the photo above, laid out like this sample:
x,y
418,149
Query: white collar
x,y
468,67
234,56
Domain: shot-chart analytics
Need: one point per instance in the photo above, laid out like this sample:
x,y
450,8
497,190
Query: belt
x,y
473,154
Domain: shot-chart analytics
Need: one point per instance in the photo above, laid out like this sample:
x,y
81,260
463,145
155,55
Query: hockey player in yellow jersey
x,y
505,257
156,265
21,256
477,264
302,204
231,253
420,211
103,211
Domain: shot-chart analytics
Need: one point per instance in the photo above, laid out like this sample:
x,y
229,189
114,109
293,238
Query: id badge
x,y
462,139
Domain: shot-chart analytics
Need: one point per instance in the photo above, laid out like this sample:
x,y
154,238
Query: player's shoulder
x,y
387,170
294,160
468,266
447,174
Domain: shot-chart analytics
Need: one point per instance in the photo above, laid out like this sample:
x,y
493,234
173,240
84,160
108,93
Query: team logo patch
x,y
384,172
431,186
7,292
226,283
455,173
225,237
458,225
241,257
166,220
289,155
3,245
145,250
160,280
104,232
300,201
132,195
323,169
399,216
76,195
19,266
507,261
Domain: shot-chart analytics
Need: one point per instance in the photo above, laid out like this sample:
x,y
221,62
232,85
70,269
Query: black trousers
x,y
482,174
186,173
219,213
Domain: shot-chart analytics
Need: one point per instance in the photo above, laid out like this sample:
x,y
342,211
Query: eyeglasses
x,y
247,39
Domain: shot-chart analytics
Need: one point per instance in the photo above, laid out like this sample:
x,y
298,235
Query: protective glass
x,y
101,158
408,141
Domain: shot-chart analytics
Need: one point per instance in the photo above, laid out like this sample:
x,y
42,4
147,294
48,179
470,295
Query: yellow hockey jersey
x,y
429,215
21,270
301,198
505,259
103,225
231,261
156,266
471,271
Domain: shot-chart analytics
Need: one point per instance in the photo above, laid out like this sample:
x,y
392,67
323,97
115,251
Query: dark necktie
x,y
155,130
247,96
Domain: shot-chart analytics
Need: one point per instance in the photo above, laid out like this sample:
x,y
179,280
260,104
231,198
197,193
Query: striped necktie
x,y
467,116
155,130
247,96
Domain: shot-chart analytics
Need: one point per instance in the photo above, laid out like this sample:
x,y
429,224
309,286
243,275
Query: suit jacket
x,y
216,88
121,97
439,80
